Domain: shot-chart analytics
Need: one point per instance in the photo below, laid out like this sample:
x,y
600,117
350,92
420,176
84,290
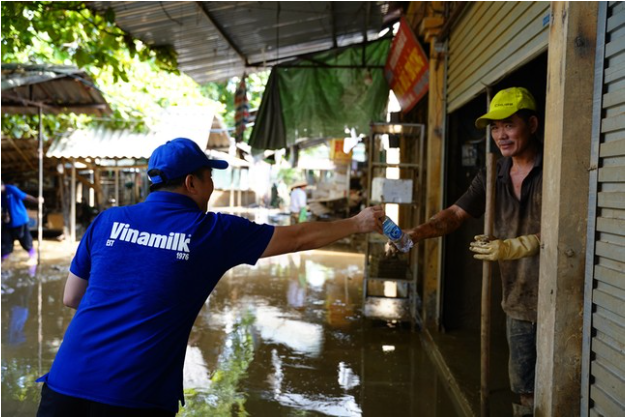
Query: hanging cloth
x,y
241,110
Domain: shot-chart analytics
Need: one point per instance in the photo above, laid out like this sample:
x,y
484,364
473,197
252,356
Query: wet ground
x,y
283,338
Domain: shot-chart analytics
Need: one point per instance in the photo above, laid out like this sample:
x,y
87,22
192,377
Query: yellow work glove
x,y
509,249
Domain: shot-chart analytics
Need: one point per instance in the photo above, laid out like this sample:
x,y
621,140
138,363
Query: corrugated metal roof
x,y
20,158
103,143
219,40
57,89
219,138
232,160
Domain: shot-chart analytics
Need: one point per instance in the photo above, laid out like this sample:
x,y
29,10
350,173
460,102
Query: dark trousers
x,y
521,337
54,404
10,234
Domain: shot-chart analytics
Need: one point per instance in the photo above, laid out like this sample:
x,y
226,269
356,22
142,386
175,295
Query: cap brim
x,y
496,115
218,164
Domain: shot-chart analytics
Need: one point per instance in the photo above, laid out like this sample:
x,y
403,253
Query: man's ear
x,y
190,183
533,123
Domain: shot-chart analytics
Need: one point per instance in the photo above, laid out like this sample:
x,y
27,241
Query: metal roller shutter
x,y
603,363
491,40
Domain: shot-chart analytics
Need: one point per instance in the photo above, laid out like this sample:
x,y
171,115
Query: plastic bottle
x,y
401,240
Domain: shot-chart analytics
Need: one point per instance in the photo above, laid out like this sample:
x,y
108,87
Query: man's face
x,y
513,135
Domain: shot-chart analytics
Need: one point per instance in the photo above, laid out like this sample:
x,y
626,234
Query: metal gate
x,y
603,356
491,40
390,287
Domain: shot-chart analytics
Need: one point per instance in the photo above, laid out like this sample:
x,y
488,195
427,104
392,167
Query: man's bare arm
x,y
307,236
442,223
74,290
32,200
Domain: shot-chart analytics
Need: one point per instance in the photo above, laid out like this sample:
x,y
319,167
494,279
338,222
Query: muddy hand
x,y
370,220
391,249
482,239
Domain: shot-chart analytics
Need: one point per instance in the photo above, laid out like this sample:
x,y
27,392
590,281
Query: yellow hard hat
x,y
505,104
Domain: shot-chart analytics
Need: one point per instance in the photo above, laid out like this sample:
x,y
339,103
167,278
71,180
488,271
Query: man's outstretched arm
x,y
307,236
442,223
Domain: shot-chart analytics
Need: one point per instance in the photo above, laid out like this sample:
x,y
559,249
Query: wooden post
x,y
40,205
65,205
98,186
117,185
232,189
239,189
73,203
570,82
486,280
433,199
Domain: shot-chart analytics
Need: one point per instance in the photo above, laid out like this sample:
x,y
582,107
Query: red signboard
x,y
407,68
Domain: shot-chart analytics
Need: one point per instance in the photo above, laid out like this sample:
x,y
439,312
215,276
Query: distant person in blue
x,y
15,221
139,278
19,302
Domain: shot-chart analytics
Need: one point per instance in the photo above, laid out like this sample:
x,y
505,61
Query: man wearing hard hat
x,y
513,125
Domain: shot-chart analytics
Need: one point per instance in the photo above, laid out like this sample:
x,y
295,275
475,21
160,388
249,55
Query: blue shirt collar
x,y
172,198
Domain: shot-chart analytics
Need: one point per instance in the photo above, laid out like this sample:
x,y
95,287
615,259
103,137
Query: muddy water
x,y
282,338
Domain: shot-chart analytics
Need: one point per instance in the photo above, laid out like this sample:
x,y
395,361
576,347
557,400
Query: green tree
x,y
76,35
136,80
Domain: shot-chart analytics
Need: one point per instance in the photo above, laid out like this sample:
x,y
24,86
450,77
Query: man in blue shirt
x,y
141,275
15,221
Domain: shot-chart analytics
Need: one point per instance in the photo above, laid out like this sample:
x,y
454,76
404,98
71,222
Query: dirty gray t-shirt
x,y
513,218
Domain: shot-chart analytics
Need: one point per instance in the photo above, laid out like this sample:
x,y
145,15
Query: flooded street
x,y
282,338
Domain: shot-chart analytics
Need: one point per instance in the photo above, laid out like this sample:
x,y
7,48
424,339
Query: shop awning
x,y
217,40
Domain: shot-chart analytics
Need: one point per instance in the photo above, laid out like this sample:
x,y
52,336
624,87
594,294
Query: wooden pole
x,y
432,249
239,189
40,204
98,187
569,131
73,203
232,189
117,185
486,282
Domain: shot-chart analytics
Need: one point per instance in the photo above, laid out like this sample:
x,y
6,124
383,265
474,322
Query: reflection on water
x,y
282,338
220,395
300,336
31,304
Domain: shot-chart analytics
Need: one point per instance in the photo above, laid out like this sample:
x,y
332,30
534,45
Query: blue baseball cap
x,y
177,158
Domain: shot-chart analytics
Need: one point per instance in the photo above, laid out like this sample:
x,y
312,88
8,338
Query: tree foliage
x,y
68,33
76,35
137,80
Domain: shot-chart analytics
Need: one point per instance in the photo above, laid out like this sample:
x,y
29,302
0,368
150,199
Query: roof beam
x,y
72,107
287,61
222,32
20,102
28,162
26,103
